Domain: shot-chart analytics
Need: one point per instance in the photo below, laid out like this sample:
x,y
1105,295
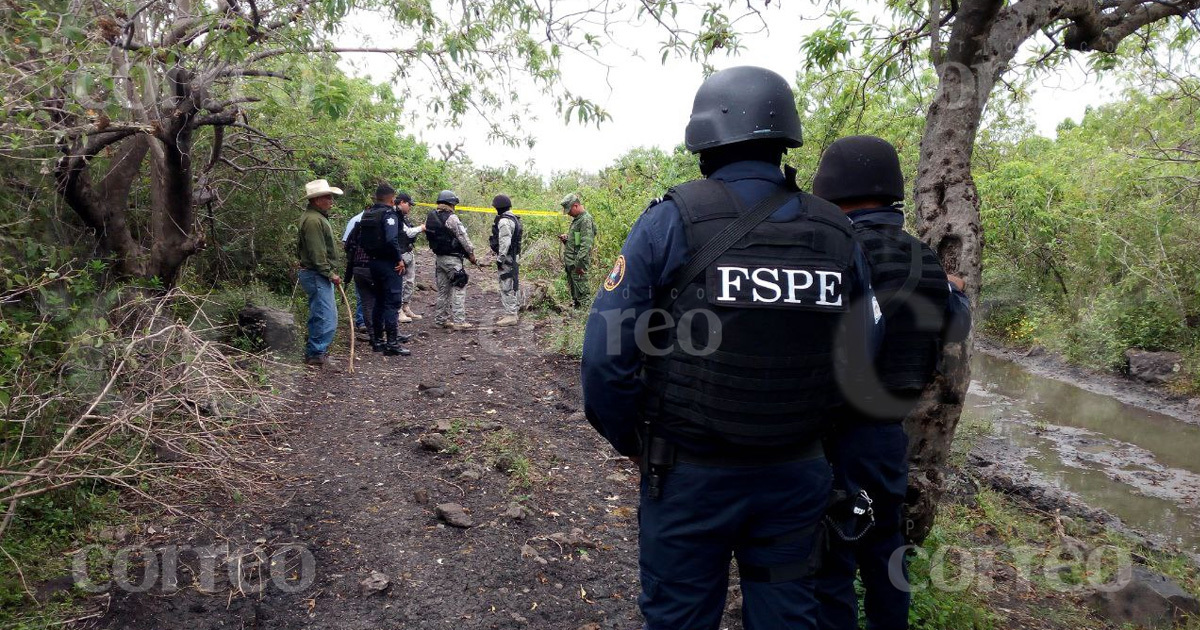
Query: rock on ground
x,y
454,514
1153,367
375,583
1149,599
273,328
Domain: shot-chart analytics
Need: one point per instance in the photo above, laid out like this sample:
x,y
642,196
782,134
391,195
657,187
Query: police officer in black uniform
x,y
868,449
378,235
708,358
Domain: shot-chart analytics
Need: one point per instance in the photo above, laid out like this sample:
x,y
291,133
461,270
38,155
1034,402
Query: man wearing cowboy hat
x,y
317,257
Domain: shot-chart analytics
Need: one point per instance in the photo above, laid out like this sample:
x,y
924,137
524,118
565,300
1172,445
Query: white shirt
x,y
350,225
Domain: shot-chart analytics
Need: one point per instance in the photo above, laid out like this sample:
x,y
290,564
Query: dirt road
x,y
483,419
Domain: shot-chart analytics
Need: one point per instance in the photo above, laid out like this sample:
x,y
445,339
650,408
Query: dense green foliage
x,y
1091,237
251,234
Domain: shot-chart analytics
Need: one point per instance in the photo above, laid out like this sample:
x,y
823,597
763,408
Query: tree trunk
x,y
947,206
172,221
104,207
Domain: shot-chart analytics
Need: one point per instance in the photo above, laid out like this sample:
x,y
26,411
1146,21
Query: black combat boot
x,y
377,344
393,347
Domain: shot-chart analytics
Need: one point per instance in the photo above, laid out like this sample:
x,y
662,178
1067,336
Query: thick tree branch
x,y
1093,28
217,145
221,119
970,31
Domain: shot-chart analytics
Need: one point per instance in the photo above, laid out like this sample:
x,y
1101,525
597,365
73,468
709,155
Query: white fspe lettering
x,y
772,286
727,283
777,287
793,286
830,282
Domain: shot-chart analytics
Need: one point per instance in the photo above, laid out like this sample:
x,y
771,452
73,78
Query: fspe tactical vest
x,y
442,241
748,357
514,248
912,290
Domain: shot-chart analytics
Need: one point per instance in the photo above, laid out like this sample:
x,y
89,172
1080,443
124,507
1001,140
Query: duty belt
x,y
762,458
660,455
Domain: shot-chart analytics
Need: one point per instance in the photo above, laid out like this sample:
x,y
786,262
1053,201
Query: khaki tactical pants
x,y
410,278
510,289
451,300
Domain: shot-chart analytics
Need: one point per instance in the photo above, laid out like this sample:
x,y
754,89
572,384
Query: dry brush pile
x,y
155,405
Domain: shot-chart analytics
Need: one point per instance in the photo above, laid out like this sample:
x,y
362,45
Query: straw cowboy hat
x,y
319,188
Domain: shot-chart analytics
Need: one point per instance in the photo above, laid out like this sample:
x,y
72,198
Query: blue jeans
x,y
359,319
322,312
707,515
365,286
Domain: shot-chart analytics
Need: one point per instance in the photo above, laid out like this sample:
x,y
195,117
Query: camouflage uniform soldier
x,y
448,239
579,240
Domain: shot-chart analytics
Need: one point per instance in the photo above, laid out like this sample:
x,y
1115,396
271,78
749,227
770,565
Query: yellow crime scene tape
x,y
532,213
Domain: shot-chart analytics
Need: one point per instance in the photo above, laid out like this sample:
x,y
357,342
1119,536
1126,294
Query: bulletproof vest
x,y
912,290
748,361
372,232
514,248
406,241
442,241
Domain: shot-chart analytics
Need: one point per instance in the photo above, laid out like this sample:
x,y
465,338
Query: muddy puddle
x,y
1141,466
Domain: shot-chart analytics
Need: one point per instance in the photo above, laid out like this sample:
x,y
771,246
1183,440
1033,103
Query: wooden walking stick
x,y
350,316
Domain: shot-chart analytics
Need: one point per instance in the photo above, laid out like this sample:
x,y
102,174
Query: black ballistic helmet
x,y
501,202
448,197
740,104
863,167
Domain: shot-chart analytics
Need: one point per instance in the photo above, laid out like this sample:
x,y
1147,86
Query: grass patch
x,y
508,452
43,531
996,562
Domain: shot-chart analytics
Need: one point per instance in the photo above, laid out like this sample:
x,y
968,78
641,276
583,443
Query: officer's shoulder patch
x,y
616,275
391,221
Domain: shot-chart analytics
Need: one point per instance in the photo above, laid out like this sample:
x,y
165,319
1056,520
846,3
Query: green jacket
x,y
315,247
580,239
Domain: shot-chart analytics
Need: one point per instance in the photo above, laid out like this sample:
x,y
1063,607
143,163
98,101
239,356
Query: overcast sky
x,y
650,101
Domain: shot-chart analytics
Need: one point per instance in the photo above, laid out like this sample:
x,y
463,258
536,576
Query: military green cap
x,y
569,201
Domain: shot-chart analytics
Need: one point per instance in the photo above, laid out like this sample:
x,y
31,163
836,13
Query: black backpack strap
x,y
734,232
